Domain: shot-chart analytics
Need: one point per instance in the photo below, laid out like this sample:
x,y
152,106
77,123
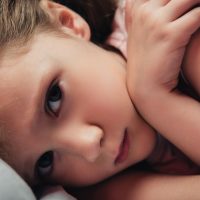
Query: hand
x,y
158,32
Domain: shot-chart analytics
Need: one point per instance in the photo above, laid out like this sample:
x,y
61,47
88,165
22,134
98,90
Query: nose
x,y
85,142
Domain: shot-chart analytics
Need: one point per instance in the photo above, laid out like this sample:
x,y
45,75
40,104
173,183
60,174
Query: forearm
x,y
147,186
175,116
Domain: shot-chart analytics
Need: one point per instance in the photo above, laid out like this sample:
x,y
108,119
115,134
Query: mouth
x,y
123,149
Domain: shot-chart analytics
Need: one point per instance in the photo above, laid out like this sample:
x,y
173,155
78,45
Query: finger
x,y
160,2
130,7
188,24
177,8
137,3
128,13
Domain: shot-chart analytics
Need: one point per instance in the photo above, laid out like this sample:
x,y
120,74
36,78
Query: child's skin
x,y
144,186
191,62
152,84
86,124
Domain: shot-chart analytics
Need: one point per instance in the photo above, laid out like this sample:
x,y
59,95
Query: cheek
x,y
74,171
108,99
100,95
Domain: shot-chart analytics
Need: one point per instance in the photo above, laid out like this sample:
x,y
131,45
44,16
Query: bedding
x,y
13,187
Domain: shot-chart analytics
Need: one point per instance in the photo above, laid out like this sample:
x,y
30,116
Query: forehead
x,y
18,72
26,64
21,74
24,70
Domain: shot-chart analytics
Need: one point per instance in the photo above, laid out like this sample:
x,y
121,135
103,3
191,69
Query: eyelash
x,y
53,99
45,163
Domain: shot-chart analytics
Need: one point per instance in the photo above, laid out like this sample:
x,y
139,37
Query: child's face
x,y
69,97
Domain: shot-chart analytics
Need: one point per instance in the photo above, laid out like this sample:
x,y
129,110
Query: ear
x,y
67,19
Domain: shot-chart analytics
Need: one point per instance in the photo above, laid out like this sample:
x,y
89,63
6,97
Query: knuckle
x,y
164,34
188,1
159,28
145,13
196,16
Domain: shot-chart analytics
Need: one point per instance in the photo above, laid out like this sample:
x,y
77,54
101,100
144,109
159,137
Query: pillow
x,y
59,194
12,186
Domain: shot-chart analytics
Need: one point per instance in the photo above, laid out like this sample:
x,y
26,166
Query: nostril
x,y
98,133
101,142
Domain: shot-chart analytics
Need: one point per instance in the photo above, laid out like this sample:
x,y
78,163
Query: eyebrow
x,y
40,93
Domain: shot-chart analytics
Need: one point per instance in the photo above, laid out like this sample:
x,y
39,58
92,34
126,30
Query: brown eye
x,y
54,99
45,164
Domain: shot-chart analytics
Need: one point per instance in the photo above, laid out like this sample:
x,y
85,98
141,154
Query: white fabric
x,y
59,195
12,187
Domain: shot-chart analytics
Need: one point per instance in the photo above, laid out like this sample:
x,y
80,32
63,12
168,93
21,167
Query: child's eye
x,y
45,164
53,99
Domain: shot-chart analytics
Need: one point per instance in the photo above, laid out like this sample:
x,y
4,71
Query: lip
x,y
123,149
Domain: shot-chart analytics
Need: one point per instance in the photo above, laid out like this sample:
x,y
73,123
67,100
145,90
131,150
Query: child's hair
x,y
21,19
